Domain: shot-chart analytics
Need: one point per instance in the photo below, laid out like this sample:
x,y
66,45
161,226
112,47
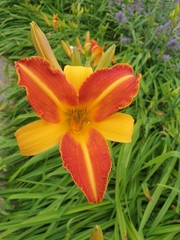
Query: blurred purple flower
x,y
174,44
136,7
178,67
125,40
164,28
117,2
165,57
120,16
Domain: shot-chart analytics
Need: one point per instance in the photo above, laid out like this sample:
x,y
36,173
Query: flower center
x,y
78,120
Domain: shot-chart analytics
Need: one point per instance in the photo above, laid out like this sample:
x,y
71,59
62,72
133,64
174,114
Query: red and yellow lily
x,y
78,110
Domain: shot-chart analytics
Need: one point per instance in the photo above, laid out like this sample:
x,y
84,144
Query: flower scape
x,y
78,109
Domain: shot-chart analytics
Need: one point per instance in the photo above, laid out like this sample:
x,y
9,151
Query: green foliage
x,y
38,199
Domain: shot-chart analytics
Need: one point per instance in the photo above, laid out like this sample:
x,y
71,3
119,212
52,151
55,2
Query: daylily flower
x,y
77,110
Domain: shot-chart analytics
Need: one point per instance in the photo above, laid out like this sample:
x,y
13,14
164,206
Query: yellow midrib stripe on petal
x,y
108,90
42,86
89,166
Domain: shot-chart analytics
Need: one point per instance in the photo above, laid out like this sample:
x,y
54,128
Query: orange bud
x,y
55,21
96,52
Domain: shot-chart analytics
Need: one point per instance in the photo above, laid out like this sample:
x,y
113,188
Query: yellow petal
x,y
118,127
77,74
39,136
42,46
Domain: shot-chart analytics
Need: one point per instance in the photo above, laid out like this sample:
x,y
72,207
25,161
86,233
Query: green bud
x,y
175,13
106,58
97,234
42,45
76,58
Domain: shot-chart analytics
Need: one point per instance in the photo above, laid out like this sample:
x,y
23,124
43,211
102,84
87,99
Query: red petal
x,y
87,158
47,89
108,90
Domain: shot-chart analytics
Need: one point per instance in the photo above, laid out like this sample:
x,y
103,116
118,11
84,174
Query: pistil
x,y
78,120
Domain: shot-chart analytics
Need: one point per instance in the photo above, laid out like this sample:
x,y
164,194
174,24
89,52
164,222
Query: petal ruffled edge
x,y
48,91
86,156
108,90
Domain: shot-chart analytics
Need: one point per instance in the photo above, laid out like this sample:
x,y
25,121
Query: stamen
x,y
78,120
